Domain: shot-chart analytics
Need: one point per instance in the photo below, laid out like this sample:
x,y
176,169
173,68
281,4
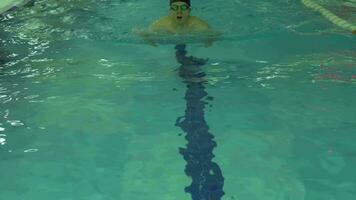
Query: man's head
x,y
185,1
180,10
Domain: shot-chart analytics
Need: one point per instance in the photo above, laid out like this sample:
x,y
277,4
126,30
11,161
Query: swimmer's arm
x,y
203,28
146,35
155,28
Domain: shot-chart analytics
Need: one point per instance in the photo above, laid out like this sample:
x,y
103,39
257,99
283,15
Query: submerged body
x,y
167,25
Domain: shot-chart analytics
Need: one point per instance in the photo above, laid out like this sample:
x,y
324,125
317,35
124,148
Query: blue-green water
x,y
88,110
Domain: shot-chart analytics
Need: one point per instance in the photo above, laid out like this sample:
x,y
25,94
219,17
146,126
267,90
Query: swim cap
x,y
185,1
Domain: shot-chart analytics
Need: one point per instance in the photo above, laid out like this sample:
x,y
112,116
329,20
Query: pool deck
x,y
8,4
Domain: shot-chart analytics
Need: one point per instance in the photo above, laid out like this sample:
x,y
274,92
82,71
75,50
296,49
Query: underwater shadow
x,y
207,179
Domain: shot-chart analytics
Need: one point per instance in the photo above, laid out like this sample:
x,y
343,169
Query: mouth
x,y
179,17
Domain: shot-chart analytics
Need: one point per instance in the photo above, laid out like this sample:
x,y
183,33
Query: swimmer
x,y
179,22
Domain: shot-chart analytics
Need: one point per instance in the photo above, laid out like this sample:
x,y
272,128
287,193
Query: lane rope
x,y
330,16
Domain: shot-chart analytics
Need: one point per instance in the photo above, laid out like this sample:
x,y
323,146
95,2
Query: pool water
x,y
88,111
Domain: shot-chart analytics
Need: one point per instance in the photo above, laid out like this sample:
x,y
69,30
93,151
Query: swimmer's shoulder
x,y
199,24
160,24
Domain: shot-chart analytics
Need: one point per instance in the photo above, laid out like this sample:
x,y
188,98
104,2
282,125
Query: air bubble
x,y
30,150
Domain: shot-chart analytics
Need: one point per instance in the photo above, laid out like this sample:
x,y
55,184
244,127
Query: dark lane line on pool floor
x,y
207,179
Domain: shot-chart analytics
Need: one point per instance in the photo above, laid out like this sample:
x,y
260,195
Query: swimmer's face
x,y
180,12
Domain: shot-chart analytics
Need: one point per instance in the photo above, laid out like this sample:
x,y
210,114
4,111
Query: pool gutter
x,y
6,5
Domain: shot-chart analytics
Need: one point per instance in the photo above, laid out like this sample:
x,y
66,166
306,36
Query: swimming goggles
x,y
182,7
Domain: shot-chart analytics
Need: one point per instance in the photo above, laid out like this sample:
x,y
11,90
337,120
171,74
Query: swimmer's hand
x,y
145,35
208,43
